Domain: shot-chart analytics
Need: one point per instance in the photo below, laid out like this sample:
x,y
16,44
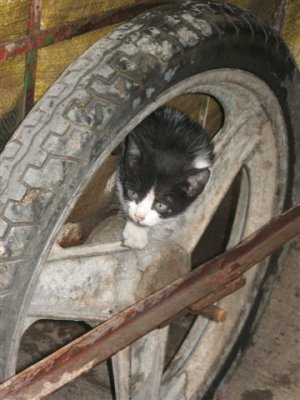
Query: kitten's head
x,y
164,167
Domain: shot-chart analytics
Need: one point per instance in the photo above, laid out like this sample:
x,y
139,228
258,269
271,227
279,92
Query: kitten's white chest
x,y
135,236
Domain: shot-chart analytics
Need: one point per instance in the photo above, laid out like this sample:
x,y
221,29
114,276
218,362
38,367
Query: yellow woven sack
x,y
52,60
54,12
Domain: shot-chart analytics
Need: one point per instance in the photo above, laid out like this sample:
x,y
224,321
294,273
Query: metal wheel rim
x,y
190,373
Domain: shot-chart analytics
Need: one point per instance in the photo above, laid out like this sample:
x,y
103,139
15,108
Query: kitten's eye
x,y
132,195
161,207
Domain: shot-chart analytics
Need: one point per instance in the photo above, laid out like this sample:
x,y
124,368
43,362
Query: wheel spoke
x,y
78,283
172,384
138,368
121,372
91,282
173,379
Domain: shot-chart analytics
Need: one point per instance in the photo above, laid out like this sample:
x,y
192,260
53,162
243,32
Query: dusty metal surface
x,y
119,331
108,272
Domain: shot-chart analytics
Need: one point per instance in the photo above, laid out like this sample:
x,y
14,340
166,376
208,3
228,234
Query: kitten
x,y
163,167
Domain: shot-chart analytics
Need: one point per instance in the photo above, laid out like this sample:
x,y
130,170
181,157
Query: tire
x,y
91,108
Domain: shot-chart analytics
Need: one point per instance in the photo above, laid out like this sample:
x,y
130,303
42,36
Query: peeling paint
x,y
149,92
203,26
49,387
136,102
173,19
10,47
170,73
166,48
187,37
29,197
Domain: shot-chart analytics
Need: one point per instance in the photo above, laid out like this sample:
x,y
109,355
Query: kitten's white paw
x,y
135,237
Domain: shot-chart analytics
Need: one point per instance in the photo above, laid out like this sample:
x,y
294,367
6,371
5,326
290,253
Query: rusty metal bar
x,y
102,342
31,56
218,295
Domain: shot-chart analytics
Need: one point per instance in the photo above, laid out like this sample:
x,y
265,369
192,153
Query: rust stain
x,y
29,197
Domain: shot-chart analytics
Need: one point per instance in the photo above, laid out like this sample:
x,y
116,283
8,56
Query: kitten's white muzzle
x,y
142,212
149,218
139,218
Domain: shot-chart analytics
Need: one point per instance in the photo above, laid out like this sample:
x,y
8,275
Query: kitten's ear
x,y
132,153
197,182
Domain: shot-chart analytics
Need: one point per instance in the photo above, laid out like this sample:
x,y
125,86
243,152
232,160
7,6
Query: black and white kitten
x,y
164,166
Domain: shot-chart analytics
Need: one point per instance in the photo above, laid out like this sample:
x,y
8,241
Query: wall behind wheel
x,y
24,78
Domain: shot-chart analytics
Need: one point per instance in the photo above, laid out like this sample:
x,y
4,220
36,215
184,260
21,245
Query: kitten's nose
x,y
139,217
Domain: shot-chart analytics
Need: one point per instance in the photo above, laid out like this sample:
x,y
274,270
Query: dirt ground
x,y
270,368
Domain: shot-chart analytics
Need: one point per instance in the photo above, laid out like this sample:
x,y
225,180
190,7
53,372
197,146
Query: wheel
x,y
164,54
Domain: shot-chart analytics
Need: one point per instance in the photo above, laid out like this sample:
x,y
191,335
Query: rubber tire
x,y
84,115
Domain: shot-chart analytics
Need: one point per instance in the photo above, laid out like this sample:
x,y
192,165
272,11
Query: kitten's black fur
x,y
161,152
